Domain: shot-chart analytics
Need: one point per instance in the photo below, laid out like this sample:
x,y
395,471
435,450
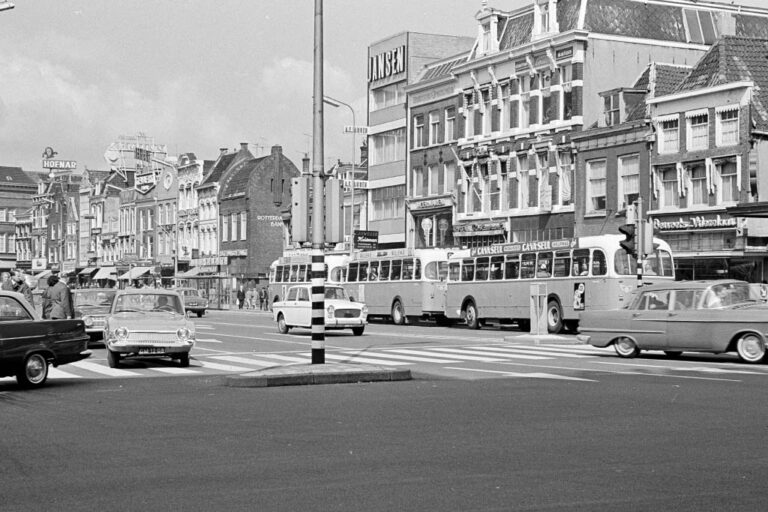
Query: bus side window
x,y
286,273
481,270
397,266
352,274
363,271
278,274
497,268
512,267
407,269
544,265
384,271
417,270
528,265
442,270
562,266
373,271
454,268
303,277
581,262
599,267
467,270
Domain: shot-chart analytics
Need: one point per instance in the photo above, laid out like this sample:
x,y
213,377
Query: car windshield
x,y
93,297
333,292
148,302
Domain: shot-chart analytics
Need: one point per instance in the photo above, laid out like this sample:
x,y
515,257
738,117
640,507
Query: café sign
x,y
145,182
697,222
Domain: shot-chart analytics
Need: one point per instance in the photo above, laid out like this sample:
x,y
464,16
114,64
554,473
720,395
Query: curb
x,y
313,374
543,339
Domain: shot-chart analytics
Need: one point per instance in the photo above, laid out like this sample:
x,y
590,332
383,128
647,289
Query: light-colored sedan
x,y
684,316
340,311
148,322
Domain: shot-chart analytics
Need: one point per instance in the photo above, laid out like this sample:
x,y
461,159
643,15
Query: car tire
x,y
200,314
398,314
358,331
554,317
626,347
282,327
184,360
113,359
33,372
470,316
750,348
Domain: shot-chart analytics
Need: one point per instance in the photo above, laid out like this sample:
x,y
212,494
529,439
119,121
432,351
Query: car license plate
x,y
151,350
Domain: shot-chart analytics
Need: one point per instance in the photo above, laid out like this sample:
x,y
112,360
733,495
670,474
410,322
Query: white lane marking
x,y
172,370
526,350
288,358
535,375
244,360
104,370
366,360
406,358
618,372
702,369
206,327
55,373
207,340
471,353
448,358
223,367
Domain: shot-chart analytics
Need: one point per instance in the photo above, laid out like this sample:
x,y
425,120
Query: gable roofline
x,y
689,93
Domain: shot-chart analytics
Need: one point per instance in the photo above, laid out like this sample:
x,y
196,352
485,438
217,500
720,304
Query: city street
x,y
613,441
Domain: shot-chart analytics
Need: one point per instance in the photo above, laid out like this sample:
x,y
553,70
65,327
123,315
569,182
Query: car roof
x,y
689,285
76,290
147,291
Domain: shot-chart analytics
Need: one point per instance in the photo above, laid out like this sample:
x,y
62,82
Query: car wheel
x,y
554,317
34,372
750,348
184,360
470,316
625,347
282,327
200,314
113,359
673,353
358,331
398,315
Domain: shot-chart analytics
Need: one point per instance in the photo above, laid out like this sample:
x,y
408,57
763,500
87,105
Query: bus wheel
x,y
398,315
470,315
554,317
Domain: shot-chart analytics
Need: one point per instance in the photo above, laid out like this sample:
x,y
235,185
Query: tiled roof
x,y
568,14
238,182
14,175
517,31
217,170
635,19
734,59
657,79
441,68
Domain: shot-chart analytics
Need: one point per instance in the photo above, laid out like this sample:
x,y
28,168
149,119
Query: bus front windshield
x,y
658,263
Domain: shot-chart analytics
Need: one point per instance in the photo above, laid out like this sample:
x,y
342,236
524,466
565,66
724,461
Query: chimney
x,y
244,146
222,151
305,164
276,150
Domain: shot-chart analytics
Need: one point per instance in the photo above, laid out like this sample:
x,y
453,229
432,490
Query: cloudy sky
x,y
196,75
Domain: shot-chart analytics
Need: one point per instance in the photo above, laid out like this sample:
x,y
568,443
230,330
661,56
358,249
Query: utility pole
x,y
318,202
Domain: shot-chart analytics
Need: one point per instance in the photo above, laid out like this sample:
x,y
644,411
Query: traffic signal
x,y
628,244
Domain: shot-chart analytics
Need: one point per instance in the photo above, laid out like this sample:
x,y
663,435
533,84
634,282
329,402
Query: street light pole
x,y
337,103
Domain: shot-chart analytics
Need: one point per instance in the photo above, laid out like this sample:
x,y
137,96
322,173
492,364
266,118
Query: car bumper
x,y
129,347
344,323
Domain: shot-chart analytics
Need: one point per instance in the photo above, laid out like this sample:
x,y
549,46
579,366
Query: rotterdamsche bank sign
x,y
697,222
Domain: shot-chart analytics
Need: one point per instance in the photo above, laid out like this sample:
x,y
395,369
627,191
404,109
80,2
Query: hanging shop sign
x,y
366,240
698,222
145,182
479,228
430,204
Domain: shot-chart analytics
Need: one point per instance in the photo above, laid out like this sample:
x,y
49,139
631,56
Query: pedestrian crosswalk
x,y
491,358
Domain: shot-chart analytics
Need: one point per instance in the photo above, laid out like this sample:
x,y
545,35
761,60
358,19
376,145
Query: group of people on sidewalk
x,y
252,298
57,297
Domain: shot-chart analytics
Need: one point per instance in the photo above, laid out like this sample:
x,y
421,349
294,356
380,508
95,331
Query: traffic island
x,y
309,374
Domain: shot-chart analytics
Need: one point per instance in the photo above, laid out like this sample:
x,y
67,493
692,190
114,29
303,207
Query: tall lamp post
x,y
338,103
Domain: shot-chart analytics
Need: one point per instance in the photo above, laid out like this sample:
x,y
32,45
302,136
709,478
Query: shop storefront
x,y
432,221
210,277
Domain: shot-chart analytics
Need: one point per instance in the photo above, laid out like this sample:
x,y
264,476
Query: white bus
x,y
295,268
400,283
493,283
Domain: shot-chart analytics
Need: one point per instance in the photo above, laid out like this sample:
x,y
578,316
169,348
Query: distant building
x,y
16,191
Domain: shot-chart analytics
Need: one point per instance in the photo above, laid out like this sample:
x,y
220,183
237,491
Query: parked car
x,y
340,311
148,322
29,344
684,316
193,301
92,305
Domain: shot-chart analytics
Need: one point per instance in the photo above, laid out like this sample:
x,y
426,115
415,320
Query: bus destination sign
x,y
517,247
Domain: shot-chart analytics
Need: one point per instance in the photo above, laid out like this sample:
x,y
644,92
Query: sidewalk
x,y
307,374
543,339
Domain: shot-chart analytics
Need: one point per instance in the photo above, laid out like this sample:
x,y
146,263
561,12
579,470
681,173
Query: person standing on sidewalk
x,y
240,297
262,298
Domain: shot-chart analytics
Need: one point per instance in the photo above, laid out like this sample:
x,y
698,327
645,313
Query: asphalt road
x,y
627,442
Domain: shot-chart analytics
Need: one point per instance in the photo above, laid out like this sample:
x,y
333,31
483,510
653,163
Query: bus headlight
x,y
330,310
121,333
88,321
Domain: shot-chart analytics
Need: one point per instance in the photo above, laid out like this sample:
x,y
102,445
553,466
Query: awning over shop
x,y
88,271
106,273
189,273
136,272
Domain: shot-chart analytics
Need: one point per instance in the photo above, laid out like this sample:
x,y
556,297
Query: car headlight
x,y
184,334
329,310
121,333
88,320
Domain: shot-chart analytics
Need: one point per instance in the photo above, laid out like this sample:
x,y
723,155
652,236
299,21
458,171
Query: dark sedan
x,y
29,344
684,316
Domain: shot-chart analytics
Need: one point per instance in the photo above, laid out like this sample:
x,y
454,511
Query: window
x,y
669,187
3,215
566,76
388,202
699,194
450,123
450,176
434,128
728,190
629,180
418,131
596,185
565,179
419,182
388,146
670,136
224,229
487,112
728,127
611,109
698,132
436,180
390,95
243,221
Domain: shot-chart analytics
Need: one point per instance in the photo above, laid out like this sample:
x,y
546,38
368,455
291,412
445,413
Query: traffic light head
x,y
628,244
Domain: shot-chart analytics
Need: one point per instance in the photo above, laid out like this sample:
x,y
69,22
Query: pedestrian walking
x,y
250,301
57,300
21,286
7,284
240,297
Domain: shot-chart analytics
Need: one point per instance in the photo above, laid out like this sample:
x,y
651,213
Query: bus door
x,y
434,289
